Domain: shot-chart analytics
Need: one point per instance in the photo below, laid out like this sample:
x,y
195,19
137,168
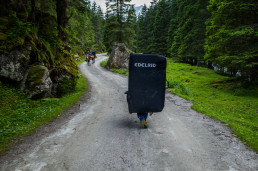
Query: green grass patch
x,y
104,63
120,71
20,115
220,97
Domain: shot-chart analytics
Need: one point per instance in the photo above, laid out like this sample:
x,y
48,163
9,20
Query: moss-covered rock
x,y
3,36
3,23
29,53
47,26
4,20
38,83
119,57
36,74
66,85
14,65
8,46
63,82
2,27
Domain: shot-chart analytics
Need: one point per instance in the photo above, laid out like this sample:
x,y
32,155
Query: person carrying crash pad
x,y
146,85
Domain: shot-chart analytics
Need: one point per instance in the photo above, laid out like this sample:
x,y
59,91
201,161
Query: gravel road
x,y
102,135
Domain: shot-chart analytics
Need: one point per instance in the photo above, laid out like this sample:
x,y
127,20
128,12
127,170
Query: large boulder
x,y
38,83
14,65
119,57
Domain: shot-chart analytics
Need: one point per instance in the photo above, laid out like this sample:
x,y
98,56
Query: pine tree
x,y
118,23
176,27
160,31
119,9
62,19
141,32
188,36
232,36
81,30
193,29
149,28
98,24
173,25
130,28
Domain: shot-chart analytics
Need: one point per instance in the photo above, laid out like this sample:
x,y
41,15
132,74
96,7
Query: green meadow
x,y
223,98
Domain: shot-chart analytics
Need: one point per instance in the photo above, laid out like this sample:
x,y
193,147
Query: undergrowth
x,y
20,115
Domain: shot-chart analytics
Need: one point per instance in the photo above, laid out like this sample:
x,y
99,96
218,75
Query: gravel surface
x,y
100,134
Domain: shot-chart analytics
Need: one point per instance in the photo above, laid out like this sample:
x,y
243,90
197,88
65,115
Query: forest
x,y
220,35
42,42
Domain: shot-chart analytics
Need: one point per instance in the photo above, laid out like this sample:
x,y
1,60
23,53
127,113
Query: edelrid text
x,y
145,65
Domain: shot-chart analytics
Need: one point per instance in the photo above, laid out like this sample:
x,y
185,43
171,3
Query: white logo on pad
x,y
145,65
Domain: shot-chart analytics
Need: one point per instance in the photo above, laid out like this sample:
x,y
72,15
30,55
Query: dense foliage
x,y
49,34
232,36
218,34
57,23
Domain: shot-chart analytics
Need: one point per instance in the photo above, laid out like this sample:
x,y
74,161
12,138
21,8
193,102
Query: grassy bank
x,y
220,97
20,115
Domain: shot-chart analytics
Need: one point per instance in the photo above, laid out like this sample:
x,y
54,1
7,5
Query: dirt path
x,y
102,135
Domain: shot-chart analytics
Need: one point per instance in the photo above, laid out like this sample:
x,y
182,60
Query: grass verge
x,y
20,115
104,63
115,70
218,96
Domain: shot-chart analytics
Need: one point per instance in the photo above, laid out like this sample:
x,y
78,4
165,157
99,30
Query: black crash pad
x,y
146,84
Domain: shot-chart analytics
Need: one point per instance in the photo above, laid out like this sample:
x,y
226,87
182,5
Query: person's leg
x,y
143,117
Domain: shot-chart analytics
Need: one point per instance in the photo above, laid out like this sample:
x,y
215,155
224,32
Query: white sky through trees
x,y
137,3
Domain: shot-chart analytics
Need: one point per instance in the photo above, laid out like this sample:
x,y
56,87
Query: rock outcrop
x,y
22,69
38,83
63,82
14,65
119,57
27,59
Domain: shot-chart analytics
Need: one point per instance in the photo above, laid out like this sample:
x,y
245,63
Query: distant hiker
x,y
89,58
93,58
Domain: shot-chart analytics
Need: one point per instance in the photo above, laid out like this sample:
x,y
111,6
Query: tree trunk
x,y
32,13
43,5
210,65
4,8
62,19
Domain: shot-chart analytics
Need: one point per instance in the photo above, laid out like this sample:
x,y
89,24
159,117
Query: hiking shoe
x,y
144,124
